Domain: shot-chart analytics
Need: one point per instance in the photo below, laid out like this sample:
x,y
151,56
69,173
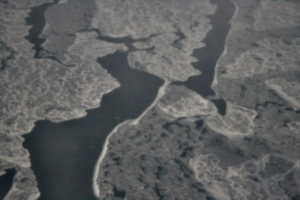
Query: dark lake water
x,y
63,155
6,182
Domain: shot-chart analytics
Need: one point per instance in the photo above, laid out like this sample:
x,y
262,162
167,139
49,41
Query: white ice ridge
x,y
160,93
96,189
290,91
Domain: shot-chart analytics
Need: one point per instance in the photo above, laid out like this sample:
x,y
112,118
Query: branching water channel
x,y
63,155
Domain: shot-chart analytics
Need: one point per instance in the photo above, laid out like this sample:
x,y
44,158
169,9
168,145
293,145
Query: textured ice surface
x,y
63,21
259,71
143,161
251,180
181,102
264,39
237,121
177,28
140,19
277,14
181,148
223,184
160,156
11,150
24,187
295,127
164,60
261,163
34,89
142,45
87,48
269,54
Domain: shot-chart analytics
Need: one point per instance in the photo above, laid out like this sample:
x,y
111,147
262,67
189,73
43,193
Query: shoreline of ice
x,y
134,122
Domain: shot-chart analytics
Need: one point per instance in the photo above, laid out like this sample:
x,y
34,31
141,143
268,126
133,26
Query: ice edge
x,y
160,93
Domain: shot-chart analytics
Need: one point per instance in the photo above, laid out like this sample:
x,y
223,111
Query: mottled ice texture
x,y
63,20
140,19
143,161
177,27
176,151
11,150
182,102
24,186
142,45
165,157
238,121
277,14
264,39
290,91
164,60
269,54
251,180
295,127
25,4
223,184
259,71
34,89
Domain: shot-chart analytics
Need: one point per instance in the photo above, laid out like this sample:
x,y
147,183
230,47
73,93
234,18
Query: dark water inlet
x,y
6,182
37,20
64,155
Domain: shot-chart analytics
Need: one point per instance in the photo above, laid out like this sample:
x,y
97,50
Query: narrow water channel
x,y
63,155
37,19
209,55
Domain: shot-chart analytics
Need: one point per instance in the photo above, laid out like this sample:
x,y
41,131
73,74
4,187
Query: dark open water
x,y
64,155
6,181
